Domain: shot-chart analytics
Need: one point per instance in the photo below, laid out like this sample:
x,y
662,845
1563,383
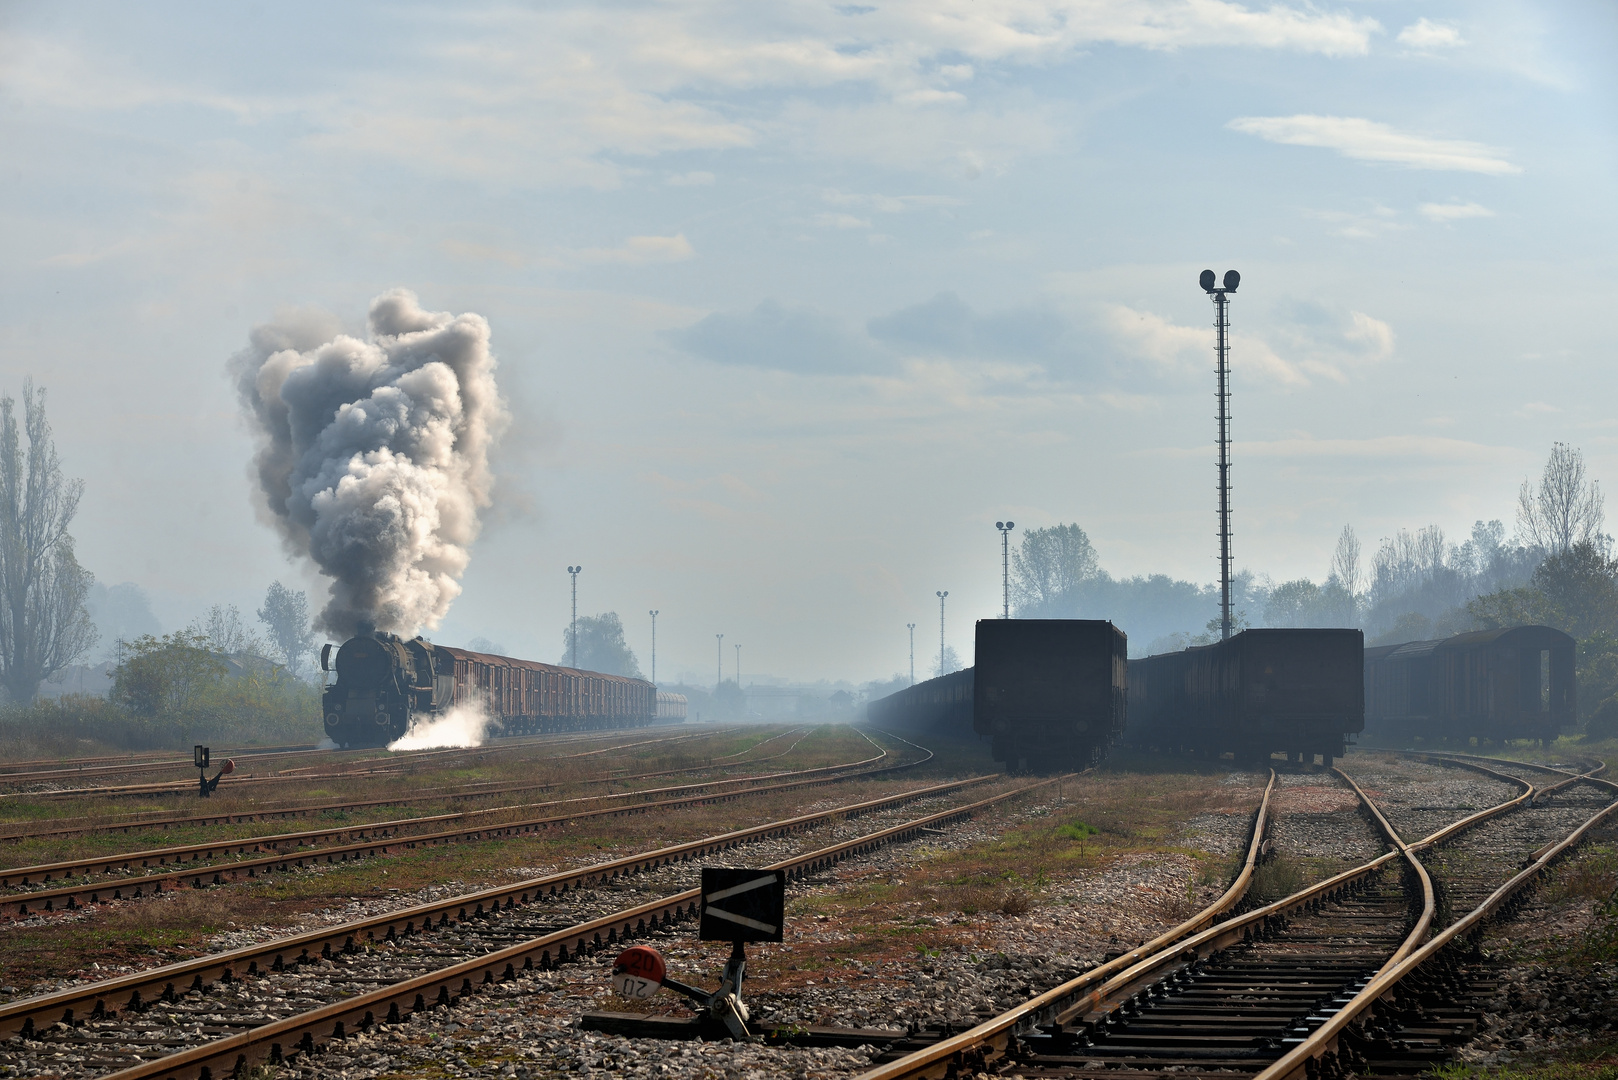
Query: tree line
x,y
217,677
1556,569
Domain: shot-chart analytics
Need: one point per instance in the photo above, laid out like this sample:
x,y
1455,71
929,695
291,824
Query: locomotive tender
x,y
386,683
1049,694
1493,685
1300,691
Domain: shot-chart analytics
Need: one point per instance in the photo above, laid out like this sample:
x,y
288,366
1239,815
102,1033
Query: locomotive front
x,y
369,704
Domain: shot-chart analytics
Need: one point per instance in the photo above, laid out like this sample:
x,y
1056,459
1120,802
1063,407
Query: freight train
x,y
1297,691
1049,694
1492,686
941,706
386,683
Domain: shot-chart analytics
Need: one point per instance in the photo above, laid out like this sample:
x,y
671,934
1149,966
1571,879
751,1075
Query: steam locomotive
x,y
385,684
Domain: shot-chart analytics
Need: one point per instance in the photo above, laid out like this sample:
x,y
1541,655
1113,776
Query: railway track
x,y
1351,972
475,790
237,815
23,902
79,766
394,763
213,1016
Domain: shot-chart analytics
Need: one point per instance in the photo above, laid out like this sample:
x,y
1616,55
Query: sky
x,y
792,302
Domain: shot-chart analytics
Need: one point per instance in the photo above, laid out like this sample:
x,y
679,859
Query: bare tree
x,y
1050,563
1566,510
227,633
286,614
1345,562
44,625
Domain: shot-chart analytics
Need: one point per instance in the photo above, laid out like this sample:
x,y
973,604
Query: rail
x,y
477,790
105,864
1302,1060
999,1033
130,991
1093,990
139,886
302,1033
395,762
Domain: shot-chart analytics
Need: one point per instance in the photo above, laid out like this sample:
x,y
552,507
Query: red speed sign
x,y
638,972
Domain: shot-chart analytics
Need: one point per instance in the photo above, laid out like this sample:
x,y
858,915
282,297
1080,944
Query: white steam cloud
x,y
464,725
373,457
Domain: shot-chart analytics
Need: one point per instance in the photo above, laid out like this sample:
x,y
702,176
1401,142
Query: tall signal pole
x,y
912,627
574,632
654,647
1005,528
1221,299
719,651
941,630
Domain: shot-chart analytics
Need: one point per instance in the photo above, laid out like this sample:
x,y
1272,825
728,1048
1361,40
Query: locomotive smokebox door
x,y
742,905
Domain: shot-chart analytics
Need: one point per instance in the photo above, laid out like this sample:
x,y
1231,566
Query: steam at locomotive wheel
x,y
387,685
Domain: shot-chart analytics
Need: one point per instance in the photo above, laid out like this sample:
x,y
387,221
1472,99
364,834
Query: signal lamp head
x,y
1232,279
1207,280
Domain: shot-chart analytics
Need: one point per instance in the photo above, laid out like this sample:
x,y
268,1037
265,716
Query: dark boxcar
x,y
1050,694
1299,691
1493,686
386,684
942,706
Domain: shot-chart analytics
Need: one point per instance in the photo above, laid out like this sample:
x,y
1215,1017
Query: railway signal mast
x,y
941,596
1221,299
912,627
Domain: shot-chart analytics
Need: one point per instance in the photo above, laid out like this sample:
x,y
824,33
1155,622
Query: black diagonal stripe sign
x,y
742,905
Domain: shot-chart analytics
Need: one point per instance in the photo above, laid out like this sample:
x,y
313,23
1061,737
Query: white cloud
x,y
841,221
639,250
554,95
691,179
1367,140
888,204
1367,224
1375,335
1399,448
1307,342
1187,350
1424,34
1453,211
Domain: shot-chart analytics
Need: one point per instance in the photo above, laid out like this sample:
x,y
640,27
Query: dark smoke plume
x,y
373,457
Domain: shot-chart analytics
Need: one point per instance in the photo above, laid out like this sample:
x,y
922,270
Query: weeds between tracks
x,y
177,925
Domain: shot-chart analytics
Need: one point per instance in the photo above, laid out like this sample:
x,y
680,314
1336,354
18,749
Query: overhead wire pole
x,y
1221,301
719,651
941,630
1005,528
912,627
573,631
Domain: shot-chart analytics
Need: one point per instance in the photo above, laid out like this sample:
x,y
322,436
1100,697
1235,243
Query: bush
x,y
169,694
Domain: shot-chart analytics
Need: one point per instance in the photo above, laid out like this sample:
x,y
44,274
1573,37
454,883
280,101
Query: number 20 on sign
x,y
638,972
